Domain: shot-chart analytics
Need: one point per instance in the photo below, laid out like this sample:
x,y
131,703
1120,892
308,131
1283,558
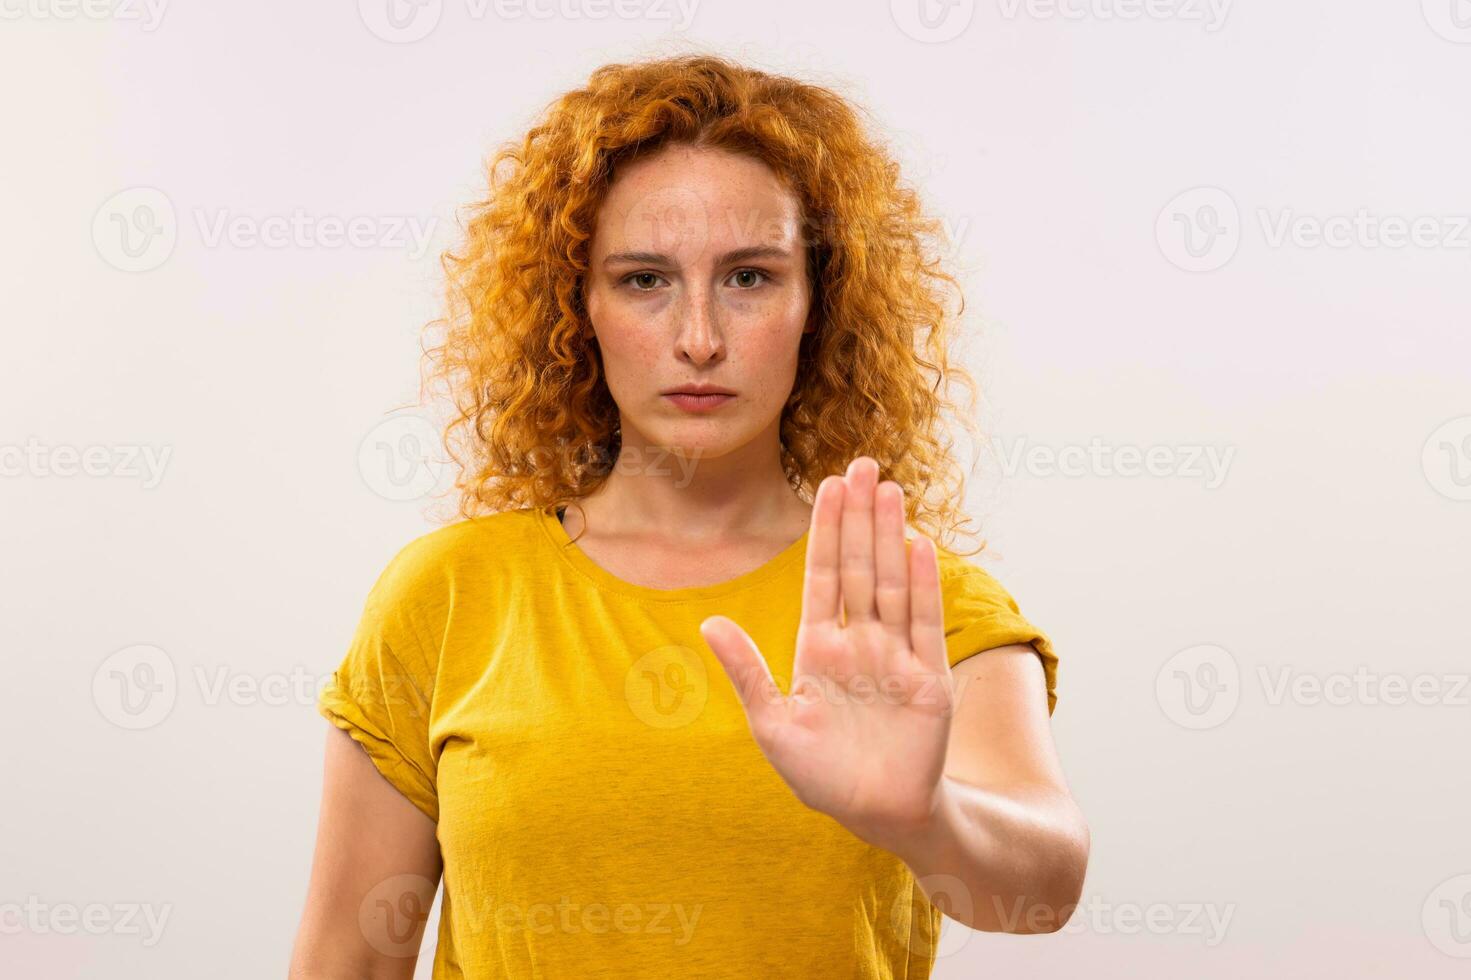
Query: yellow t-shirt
x,y
603,810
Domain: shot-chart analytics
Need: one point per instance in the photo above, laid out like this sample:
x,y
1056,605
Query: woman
x,y
675,697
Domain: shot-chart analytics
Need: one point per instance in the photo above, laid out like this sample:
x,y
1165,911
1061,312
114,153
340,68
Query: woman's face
x,y
698,275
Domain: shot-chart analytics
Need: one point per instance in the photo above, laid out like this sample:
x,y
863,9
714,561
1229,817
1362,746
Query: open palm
x,y
863,734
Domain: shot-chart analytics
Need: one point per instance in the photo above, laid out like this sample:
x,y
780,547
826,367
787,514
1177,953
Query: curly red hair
x,y
534,424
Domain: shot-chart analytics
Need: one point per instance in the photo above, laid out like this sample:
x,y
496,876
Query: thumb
x,y
745,667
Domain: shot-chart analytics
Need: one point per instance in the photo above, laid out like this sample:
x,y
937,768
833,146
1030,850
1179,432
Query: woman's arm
x,y
376,867
951,769
1007,848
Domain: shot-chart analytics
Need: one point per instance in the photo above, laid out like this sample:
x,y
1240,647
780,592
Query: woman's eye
x,y
750,272
646,282
642,276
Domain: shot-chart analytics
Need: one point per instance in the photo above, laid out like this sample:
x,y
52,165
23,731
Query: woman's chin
x,y
692,441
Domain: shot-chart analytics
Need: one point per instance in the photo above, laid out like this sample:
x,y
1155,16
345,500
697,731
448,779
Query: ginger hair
x,y
533,423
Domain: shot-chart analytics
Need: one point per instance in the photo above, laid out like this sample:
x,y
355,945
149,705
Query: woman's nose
x,y
700,337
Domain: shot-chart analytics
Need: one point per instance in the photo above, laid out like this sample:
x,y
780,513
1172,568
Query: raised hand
x,y
862,735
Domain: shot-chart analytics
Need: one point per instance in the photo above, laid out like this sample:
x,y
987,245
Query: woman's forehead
x,y
706,211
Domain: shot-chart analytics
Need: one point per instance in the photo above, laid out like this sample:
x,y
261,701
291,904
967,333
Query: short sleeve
x,y
381,692
981,615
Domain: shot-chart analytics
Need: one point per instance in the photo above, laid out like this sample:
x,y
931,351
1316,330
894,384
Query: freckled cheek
x,y
769,336
761,330
624,333
629,345
776,313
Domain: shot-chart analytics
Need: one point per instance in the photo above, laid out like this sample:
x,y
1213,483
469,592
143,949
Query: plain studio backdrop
x,y
1216,259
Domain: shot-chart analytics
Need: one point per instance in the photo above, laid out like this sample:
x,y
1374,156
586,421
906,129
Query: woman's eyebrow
x,y
744,254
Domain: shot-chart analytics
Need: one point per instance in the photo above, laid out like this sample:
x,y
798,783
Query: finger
x,y
747,671
821,584
891,562
926,606
857,540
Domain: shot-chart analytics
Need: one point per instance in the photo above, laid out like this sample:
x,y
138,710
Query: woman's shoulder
x,y
970,591
981,614
475,547
952,562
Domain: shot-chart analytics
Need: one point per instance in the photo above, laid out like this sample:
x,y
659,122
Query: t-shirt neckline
x,y
578,560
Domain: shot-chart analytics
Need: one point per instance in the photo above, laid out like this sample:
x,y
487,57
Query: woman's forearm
x,y
1000,859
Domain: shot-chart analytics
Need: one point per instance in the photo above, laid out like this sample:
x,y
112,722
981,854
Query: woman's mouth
x,y
698,403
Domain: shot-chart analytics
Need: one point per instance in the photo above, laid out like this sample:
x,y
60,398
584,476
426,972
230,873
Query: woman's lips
x,y
698,403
